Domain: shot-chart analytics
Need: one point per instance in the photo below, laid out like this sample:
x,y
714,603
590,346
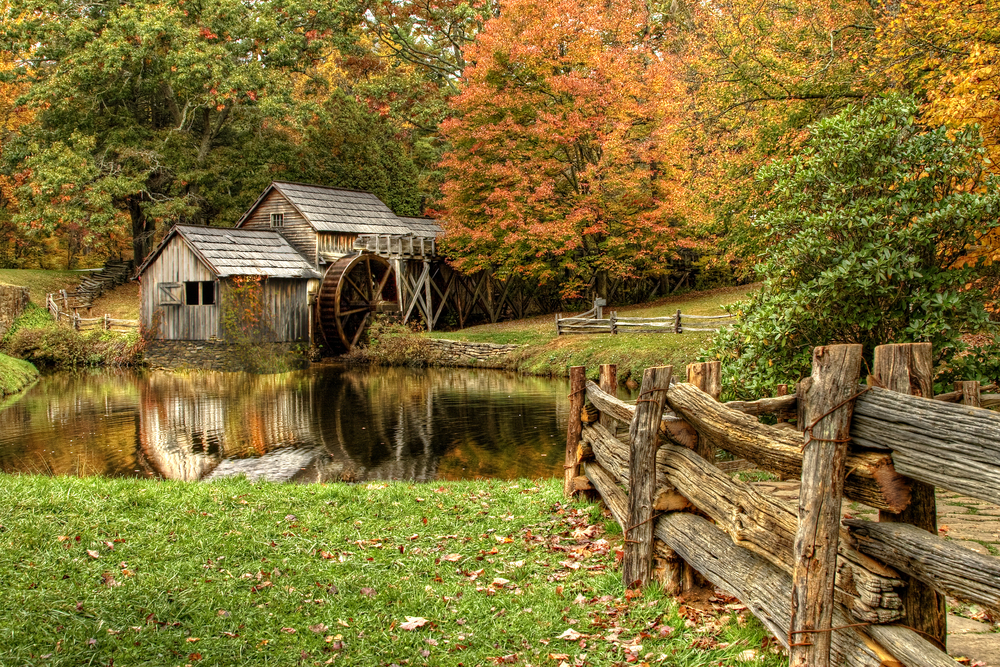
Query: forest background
x,y
564,142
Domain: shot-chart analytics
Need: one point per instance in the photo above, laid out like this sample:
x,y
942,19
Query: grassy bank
x,y
547,354
40,282
477,573
15,375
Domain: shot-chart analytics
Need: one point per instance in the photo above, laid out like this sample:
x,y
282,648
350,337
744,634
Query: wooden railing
x,y
833,591
594,322
397,245
61,307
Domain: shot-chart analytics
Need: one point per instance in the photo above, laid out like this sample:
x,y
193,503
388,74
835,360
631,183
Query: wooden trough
x,y
833,592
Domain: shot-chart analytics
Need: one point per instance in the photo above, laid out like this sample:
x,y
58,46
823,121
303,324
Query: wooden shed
x,y
185,281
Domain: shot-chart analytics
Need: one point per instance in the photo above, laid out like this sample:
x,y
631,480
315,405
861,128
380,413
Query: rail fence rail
x,y
65,306
833,590
594,322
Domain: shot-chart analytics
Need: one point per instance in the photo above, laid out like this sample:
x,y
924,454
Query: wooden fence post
x,y
577,395
76,320
970,393
644,435
608,382
828,409
558,317
782,390
107,322
707,376
677,322
908,368
614,322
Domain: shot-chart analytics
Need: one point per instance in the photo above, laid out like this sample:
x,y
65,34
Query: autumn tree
x,y
151,112
564,157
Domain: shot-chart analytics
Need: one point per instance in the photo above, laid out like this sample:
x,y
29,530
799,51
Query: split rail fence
x,y
833,591
64,308
594,322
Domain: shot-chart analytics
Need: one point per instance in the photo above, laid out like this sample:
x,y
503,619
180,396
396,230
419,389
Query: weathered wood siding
x,y
288,307
177,264
296,229
338,242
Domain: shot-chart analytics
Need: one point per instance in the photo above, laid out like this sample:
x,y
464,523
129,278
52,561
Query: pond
x,y
327,423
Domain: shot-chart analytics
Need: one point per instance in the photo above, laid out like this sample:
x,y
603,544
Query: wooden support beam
x,y
946,566
577,395
909,369
644,437
781,390
835,373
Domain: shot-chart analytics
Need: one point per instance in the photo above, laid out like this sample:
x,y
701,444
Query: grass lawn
x,y
41,282
121,303
15,375
548,354
125,572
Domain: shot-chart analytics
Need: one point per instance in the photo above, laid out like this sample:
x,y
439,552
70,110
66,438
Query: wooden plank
x,y
707,376
644,437
835,372
577,395
909,369
946,566
871,480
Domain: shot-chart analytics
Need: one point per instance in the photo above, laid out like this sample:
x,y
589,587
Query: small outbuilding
x,y
186,279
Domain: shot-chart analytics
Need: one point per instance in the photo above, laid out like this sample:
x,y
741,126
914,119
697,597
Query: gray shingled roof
x,y
336,210
240,252
422,226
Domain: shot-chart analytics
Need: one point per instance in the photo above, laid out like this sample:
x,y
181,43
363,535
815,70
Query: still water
x,y
324,424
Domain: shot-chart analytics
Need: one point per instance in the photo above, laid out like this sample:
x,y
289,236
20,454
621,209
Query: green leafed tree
x,y
150,113
864,236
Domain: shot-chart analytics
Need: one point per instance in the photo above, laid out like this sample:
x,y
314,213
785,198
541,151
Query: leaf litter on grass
x,y
498,573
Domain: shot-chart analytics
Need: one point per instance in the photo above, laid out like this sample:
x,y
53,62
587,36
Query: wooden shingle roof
x,y
335,209
240,252
422,226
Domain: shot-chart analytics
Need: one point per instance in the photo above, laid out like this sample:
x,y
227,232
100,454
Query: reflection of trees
x,y
324,424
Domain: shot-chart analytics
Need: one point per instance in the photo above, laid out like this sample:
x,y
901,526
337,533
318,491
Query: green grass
x,y
40,282
170,573
548,354
15,375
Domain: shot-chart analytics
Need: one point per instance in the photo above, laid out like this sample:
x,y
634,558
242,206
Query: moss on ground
x,y
476,573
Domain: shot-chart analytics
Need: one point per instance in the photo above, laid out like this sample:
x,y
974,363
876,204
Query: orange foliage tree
x,y
564,156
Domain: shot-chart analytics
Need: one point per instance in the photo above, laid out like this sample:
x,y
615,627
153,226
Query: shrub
x,y
390,343
62,347
863,235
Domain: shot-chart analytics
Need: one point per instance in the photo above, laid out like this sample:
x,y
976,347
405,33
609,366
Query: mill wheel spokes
x,y
353,290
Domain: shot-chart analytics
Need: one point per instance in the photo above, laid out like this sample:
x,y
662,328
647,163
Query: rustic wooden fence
x,y
594,322
65,308
835,592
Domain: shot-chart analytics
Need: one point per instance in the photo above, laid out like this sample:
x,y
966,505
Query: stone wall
x,y
461,353
207,355
13,301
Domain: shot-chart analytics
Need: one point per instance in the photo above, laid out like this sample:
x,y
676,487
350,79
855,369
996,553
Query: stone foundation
x,y
202,355
13,301
461,353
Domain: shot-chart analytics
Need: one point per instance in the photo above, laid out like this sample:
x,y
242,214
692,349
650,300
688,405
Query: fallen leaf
x,y
93,554
749,655
413,622
570,635
452,558
319,627
193,639
368,592
194,657
290,631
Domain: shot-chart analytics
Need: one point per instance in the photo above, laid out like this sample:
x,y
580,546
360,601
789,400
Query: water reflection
x,y
327,423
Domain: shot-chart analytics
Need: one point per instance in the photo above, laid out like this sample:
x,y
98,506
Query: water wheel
x,y
354,289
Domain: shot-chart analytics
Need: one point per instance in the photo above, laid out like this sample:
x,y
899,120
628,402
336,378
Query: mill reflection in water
x,y
324,424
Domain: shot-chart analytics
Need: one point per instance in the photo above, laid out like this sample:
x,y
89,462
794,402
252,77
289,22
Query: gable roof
x,y
335,209
240,252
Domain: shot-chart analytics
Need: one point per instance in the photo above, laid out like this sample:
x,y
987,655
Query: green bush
x,y
62,347
390,343
33,317
863,235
